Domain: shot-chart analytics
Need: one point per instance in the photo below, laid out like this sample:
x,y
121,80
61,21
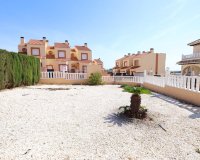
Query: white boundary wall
x,y
191,83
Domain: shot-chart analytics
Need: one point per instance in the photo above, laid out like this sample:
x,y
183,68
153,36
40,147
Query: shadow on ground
x,y
194,109
117,119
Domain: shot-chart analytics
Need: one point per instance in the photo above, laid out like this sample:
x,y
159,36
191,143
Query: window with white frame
x,y
49,67
63,67
35,51
61,54
84,56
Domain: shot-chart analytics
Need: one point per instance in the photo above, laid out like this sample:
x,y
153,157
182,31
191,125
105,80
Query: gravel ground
x,y
81,122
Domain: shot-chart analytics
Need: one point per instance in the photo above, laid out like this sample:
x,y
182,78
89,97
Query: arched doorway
x,y
191,71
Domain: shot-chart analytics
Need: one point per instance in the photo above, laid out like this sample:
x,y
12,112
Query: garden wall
x,y
62,81
178,93
17,69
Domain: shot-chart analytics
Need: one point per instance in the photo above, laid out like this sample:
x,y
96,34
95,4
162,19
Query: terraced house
x,y
60,56
190,64
136,64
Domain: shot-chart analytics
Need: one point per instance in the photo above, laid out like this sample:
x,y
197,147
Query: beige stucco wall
x,y
67,51
128,60
55,63
146,62
92,68
42,53
62,81
79,54
161,64
181,94
196,49
20,46
120,62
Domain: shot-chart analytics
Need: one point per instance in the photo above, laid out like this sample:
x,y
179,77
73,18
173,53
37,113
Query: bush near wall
x,y
95,79
17,69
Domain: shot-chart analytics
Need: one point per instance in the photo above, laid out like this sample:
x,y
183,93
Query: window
x,y
35,51
49,67
125,63
63,67
84,68
117,64
84,56
136,63
61,54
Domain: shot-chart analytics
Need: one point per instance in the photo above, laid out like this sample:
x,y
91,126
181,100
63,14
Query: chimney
x,y
66,41
44,39
85,44
143,52
138,52
151,50
129,54
22,40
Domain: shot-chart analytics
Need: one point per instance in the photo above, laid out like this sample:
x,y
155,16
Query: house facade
x,y
136,64
60,56
190,64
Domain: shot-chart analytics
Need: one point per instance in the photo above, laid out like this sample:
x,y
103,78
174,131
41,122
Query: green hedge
x,y
17,69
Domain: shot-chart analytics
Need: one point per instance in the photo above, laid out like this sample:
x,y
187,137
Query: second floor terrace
x,y
193,56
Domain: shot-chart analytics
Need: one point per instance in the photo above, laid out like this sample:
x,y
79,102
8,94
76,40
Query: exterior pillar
x,y
145,73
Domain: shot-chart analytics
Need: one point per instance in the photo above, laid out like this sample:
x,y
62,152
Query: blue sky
x,y
111,28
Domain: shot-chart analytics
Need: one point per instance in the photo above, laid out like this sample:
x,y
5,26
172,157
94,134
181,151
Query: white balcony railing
x,y
67,76
134,79
191,56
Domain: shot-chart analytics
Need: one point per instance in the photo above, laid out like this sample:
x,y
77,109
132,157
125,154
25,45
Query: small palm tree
x,y
135,101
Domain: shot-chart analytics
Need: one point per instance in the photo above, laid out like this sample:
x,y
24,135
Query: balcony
x,y
193,56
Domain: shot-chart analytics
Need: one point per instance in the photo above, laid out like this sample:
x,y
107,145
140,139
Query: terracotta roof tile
x,y
50,47
194,42
98,60
133,56
36,42
116,67
61,45
134,67
82,48
85,61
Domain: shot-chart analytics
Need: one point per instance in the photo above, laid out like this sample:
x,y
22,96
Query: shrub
x,y
131,89
95,79
17,69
